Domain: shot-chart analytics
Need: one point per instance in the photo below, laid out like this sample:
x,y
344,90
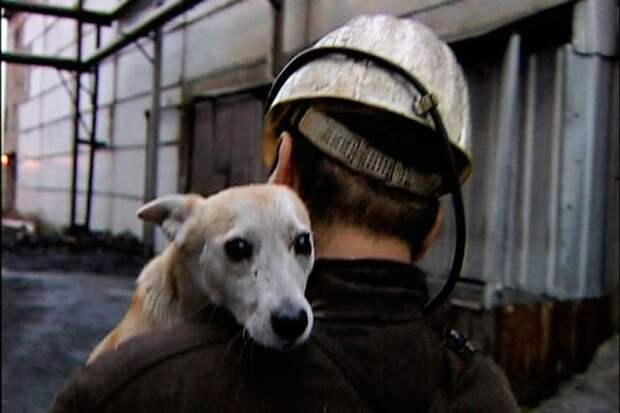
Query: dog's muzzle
x,y
289,324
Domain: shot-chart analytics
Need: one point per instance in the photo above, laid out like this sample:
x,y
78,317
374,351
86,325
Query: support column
x,y
93,133
152,140
76,125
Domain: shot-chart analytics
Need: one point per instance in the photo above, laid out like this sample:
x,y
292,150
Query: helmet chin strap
x,y
427,105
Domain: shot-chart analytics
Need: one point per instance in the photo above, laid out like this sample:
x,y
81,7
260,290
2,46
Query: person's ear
x,y
431,236
285,172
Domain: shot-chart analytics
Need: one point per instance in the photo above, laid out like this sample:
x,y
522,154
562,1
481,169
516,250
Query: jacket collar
x,y
366,290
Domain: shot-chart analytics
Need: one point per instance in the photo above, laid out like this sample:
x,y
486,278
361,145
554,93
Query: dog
x,y
246,248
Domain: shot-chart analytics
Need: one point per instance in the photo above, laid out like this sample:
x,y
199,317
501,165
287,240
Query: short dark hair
x,y
335,193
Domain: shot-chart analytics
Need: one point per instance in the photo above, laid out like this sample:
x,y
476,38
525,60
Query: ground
x,y
50,323
595,391
61,294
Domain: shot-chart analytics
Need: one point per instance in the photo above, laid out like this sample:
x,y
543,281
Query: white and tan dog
x,y
246,248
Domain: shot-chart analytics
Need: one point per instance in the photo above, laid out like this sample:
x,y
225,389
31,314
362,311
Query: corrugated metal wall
x,y
537,201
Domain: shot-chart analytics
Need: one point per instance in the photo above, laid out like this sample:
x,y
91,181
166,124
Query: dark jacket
x,y
369,351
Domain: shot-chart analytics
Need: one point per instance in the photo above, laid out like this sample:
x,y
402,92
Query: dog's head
x,y
249,249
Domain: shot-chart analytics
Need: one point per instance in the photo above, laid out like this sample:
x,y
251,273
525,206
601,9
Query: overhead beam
x,y
166,14
85,16
56,62
143,29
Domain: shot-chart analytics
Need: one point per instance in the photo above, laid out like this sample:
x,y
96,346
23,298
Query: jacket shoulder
x,y
477,383
92,385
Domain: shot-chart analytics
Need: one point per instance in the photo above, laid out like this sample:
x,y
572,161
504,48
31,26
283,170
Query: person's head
x,y
353,140
337,195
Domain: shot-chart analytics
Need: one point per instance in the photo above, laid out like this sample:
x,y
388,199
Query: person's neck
x,y
349,242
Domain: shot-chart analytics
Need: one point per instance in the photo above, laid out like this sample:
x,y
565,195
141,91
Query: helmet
x,y
363,82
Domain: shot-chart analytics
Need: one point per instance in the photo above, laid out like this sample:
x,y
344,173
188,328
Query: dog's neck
x,y
167,288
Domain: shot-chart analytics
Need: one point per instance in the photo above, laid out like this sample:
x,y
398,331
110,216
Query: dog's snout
x,y
289,325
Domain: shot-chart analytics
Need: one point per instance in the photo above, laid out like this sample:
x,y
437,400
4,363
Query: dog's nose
x,y
289,325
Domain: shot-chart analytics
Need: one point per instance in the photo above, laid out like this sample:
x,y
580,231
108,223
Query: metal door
x,y
226,148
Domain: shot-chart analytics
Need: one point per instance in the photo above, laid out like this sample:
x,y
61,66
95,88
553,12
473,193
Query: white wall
x,y
205,40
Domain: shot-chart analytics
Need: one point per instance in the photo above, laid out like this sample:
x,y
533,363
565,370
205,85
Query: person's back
x,y
370,351
354,140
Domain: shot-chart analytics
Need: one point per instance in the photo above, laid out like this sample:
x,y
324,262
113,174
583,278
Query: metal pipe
x,y
85,16
57,62
168,13
76,126
93,131
152,143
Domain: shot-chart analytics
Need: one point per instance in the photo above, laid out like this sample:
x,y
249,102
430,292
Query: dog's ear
x,y
169,212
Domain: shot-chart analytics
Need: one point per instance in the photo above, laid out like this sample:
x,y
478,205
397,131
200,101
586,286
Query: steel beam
x,y
97,144
152,143
57,62
85,16
93,133
76,127
166,14
119,11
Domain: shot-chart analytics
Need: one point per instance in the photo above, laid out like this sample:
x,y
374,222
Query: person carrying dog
x,y
349,130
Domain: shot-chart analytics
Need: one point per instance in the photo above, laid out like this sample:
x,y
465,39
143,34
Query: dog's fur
x,y
196,268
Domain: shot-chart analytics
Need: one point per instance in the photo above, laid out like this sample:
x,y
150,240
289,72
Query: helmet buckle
x,y
424,104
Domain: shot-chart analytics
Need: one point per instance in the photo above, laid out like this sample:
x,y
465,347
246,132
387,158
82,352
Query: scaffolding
x,y
89,66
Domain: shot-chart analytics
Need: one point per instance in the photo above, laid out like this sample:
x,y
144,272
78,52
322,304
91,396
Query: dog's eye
x,y
238,249
303,244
